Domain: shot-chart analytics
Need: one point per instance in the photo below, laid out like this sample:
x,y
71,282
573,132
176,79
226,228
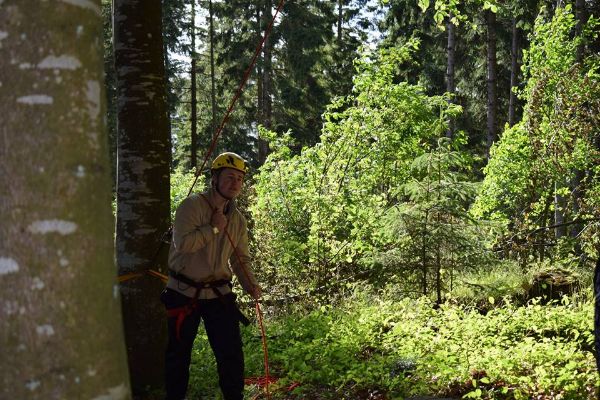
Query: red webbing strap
x,y
181,313
237,95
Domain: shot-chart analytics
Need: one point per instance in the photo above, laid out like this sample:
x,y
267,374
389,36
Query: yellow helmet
x,y
229,160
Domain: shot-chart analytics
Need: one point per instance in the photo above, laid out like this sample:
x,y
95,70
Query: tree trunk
x,y
450,85
424,262
597,313
514,73
61,331
193,88
213,90
267,84
143,200
259,77
340,22
559,208
492,99
578,176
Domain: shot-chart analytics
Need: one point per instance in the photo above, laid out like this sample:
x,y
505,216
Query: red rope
x,y
267,378
265,348
237,95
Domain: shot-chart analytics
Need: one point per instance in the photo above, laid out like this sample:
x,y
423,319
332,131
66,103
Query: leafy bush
x,y
408,347
536,170
181,183
319,213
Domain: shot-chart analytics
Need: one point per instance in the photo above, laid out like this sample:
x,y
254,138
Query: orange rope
x,y
151,272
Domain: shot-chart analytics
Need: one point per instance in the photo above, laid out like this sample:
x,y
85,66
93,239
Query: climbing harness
x,y
181,313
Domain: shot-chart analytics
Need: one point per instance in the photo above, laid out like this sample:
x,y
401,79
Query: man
x,y
210,239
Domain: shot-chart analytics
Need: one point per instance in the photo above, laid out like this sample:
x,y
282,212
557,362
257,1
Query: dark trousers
x,y
221,321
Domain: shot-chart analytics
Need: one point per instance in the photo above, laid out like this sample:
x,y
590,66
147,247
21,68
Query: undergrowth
x,y
409,347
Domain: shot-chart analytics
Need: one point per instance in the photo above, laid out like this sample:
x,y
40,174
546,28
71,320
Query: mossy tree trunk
x,y
143,200
61,334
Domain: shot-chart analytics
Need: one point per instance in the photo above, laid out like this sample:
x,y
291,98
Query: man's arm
x,y
240,264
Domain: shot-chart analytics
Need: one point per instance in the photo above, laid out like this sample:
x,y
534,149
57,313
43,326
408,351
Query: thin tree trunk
x,y
597,313
578,175
60,319
340,21
267,84
193,88
492,98
559,209
143,200
259,75
438,255
213,90
514,73
424,255
450,85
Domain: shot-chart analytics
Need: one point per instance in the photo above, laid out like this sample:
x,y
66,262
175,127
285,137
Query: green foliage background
x,y
405,268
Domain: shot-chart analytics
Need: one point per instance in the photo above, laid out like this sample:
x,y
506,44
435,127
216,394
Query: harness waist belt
x,y
199,285
182,312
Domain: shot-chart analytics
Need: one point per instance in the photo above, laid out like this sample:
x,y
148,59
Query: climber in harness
x,y
210,241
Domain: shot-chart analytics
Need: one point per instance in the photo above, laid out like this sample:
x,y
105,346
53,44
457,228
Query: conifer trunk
x,y
578,175
193,88
492,98
514,72
61,334
340,22
213,90
267,84
450,85
259,76
143,153
597,313
559,208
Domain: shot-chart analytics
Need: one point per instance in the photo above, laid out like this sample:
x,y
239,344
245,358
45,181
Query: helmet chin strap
x,y
216,187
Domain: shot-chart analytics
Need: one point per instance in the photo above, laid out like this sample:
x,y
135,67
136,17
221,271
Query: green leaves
x,y
318,214
423,5
542,158
405,348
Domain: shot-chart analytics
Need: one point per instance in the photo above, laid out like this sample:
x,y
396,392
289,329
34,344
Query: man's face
x,y
230,182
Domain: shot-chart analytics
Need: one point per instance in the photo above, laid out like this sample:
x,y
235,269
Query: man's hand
x,y
218,220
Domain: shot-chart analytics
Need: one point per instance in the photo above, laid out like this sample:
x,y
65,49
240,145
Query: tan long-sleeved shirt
x,y
203,256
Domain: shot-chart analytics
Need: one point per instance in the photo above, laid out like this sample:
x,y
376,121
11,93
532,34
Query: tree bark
x,y
492,98
143,200
577,189
61,331
559,208
450,85
514,72
597,313
340,22
193,88
213,90
267,84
